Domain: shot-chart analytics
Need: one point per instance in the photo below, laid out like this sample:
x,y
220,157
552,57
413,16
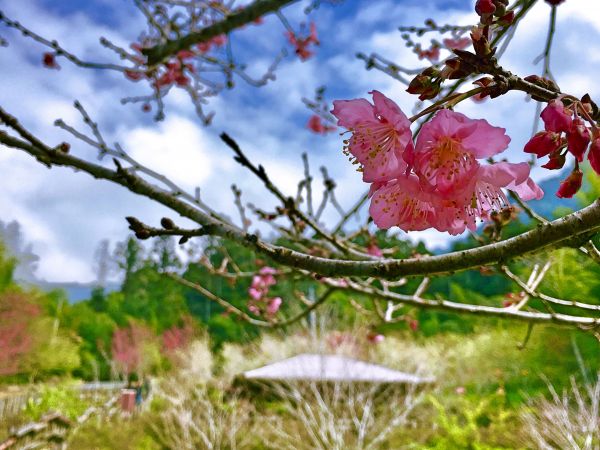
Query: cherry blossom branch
x,y
288,202
477,310
589,248
354,210
237,193
54,45
561,232
530,289
120,154
548,47
184,70
244,16
376,61
273,323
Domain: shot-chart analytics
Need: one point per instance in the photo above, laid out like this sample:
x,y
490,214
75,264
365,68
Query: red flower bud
x,y
133,75
508,18
578,138
557,161
543,143
554,2
594,155
569,187
49,61
425,86
556,117
485,7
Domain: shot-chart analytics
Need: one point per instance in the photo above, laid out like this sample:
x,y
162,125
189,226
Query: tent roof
x,y
331,368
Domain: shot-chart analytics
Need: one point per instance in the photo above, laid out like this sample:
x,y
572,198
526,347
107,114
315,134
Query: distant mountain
x,y
76,292
551,202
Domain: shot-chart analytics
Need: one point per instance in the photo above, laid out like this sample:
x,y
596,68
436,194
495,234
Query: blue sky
x,y
65,214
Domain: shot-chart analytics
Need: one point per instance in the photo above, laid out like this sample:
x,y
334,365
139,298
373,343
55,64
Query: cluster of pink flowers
x,y
172,72
440,180
260,303
127,347
302,44
565,132
178,337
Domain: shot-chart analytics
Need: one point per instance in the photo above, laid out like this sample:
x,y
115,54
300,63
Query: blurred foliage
x,y
62,398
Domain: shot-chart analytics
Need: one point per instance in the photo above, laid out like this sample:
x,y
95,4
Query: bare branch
x,y
235,20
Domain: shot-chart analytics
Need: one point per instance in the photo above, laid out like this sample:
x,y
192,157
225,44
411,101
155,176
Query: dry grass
x,y
568,421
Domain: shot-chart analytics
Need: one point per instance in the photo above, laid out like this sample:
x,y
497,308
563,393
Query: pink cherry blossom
x,y
448,146
374,250
404,204
259,289
256,294
484,192
273,305
556,117
440,183
380,135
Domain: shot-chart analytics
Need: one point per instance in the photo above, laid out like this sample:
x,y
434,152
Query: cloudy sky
x,y
65,214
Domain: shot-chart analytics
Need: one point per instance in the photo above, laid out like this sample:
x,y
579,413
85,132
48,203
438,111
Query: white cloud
x,y
167,145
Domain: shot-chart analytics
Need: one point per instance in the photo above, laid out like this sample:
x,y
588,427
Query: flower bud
x,y
507,19
557,161
578,138
167,223
571,184
424,85
543,143
556,117
483,7
594,155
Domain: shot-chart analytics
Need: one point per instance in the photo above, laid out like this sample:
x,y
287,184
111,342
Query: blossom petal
x,y
486,140
388,109
351,112
528,190
503,174
402,203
